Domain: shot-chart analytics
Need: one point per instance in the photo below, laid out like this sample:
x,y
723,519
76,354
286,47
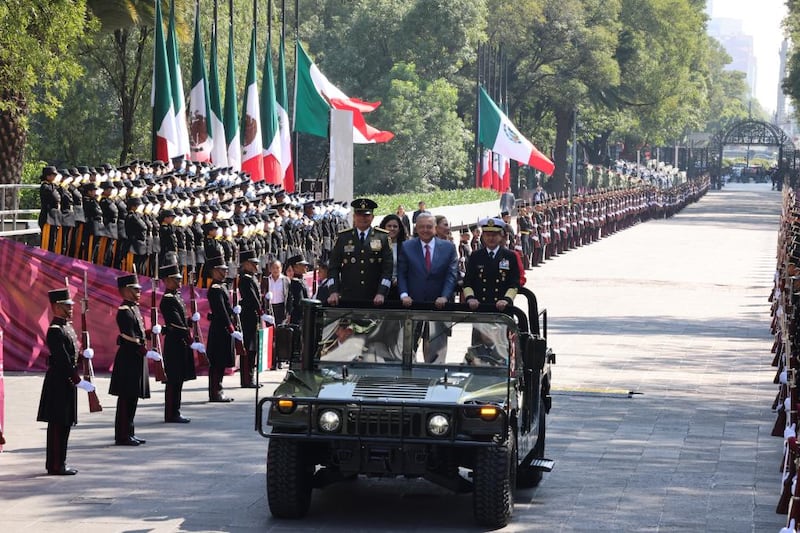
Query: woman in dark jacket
x,y
397,234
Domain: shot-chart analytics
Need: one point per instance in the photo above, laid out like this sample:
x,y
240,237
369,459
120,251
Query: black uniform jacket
x,y
129,377
220,343
251,309
359,272
178,354
490,280
59,401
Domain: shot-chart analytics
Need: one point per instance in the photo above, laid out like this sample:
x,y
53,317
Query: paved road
x,y
673,310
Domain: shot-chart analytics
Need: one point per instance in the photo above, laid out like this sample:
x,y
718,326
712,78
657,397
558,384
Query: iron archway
x,y
755,132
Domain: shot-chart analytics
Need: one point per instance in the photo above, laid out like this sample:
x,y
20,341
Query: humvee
x,y
456,397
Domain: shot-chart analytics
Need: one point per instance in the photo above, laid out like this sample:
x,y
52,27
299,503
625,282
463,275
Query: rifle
x,y
238,346
88,369
196,332
155,340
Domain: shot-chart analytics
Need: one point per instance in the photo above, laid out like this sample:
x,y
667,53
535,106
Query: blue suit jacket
x,y
414,279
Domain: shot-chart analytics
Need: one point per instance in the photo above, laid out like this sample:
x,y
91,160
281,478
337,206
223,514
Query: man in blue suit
x,y
427,271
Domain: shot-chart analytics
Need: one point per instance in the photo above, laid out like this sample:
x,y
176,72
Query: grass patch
x,y
387,203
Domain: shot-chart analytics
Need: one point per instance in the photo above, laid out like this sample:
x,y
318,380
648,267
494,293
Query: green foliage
x,y
387,203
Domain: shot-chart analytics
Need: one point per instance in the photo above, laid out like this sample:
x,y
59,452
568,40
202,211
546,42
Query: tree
x,y
38,41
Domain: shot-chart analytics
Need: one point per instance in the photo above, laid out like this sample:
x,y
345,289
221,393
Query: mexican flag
x,y
199,112
176,83
498,134
252,157
165,133
315,96
232,112
270,129
219,150
487,170
282,101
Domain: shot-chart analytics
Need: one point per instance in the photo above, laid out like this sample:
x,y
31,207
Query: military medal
x,y
504,265
375,245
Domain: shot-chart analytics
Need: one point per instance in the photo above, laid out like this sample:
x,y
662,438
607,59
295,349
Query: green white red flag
x,y
252,157
270,128
199,110
219,150
176,84
314,98
232,112
497,133
282,101
165,135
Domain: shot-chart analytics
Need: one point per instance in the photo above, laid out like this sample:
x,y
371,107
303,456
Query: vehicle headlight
x,y
329,421
438,425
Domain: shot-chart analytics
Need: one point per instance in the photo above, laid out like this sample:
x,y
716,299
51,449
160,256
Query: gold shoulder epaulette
x,y
124,307
345,230
380,230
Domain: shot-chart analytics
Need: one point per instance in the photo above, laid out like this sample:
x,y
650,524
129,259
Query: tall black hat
x,y
170,271
128,280
60,296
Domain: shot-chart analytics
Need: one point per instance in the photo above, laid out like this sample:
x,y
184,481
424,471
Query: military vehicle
x,y
456,397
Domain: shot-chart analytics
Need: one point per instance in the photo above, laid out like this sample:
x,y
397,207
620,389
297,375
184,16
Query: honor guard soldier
x,y
136,232
108,231
492,272
168,238
361,261
211,248
178,343
297,289
58,405
251,316
130,379
221,331
50,202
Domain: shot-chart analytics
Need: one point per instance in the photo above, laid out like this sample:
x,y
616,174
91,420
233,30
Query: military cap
x,y
224,223
248,255
170,271
209,226
296,260
252,219
164,213
280,192
363,206
63,171
310,203
60,296
504,214
128,280
214,208
49,171
279,205
492,224
89,186
464,231
133,201
106,185
204,209
239,220
74,172
83,170
216,262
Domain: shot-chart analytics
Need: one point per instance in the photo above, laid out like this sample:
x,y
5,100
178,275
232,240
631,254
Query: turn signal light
x,y
489,413
286,406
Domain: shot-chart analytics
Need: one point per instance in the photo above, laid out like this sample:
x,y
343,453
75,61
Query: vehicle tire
x,y
289,479
494,478
528,477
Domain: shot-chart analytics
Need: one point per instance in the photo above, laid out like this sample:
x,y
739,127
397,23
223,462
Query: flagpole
x,y
477,153
296,144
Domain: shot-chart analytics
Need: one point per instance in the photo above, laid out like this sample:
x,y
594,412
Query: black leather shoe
x,y
252,386
137,439
221,399
130,441
178,420
63,472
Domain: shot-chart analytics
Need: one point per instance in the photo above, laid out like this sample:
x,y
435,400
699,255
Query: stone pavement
x,y
674,311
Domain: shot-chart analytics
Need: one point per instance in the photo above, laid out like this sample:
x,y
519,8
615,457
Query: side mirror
x,y
309,338
535,353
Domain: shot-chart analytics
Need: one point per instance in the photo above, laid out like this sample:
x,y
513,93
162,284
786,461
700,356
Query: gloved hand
x,y
268,296
237,335
85,385
196,317
88,353
269,319
157,329
198,346
237,309
153,355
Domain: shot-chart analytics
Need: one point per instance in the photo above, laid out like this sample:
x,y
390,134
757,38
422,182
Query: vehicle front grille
x,y
385,422
392,387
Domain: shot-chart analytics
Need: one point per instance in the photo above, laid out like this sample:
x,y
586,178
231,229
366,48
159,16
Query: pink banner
x,y
29,272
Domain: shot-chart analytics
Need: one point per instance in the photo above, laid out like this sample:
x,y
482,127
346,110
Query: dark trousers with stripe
x,y
172,400
123,421
57,437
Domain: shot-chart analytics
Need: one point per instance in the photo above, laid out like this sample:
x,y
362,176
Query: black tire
x,y
289,479
494,479
528,477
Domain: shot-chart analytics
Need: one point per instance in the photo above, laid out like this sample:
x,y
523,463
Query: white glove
x,y
268,296
153,355
85,385
237,335
88,353
196,317
198,346
157,329
269,319
237,309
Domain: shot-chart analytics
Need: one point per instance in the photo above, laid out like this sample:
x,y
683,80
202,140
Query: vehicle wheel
x,y
528,477
494,474
289,479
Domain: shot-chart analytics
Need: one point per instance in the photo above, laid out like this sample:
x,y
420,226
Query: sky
x,y
761,19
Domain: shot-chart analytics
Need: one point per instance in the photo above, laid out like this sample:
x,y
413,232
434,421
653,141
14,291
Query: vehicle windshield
x,y
427,337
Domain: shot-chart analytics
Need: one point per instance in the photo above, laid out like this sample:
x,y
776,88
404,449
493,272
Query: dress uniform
x,y
168,238
492,271
178,344
361,261
297,289
130,378
50,202
221,331
58,405
251,316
